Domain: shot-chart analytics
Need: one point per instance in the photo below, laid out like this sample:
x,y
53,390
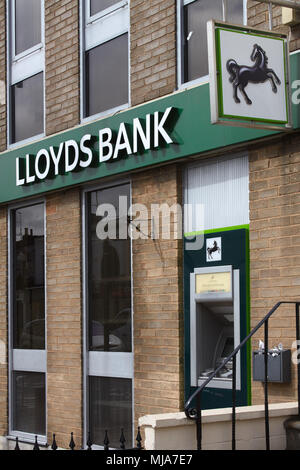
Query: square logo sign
x,y
213,249
249,76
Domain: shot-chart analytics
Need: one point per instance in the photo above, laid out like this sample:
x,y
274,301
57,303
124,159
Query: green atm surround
x,y
235,253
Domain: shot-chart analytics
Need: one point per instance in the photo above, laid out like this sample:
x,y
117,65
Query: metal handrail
x,y
195,413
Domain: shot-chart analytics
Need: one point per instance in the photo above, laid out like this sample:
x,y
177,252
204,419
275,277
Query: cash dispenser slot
x,y
215,324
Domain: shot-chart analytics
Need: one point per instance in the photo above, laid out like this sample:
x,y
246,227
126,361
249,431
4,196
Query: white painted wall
x,y
173,431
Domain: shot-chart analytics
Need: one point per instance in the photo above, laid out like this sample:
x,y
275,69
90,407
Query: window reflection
x,y
100,5
111,410
109,282
27,100
235,10
28,285
196,15
27,24
29,402
107,87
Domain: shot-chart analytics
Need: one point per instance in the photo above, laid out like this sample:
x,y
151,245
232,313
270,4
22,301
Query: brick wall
x,y
62,64
64,333
152,49
274,227
3,323
275,247
2,77
258,17
158,310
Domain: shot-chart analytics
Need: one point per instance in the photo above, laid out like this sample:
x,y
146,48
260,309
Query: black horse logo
x,y
241,75
211,250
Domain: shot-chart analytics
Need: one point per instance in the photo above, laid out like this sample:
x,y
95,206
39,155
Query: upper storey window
x,y
194,15
101,5
105,81
27,22
26,70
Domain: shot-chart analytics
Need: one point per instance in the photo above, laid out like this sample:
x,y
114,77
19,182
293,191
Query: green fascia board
x,y
192,131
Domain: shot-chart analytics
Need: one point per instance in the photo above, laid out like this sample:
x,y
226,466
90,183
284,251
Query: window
x,y
105,83
26,70
27,30
29,402
100,5
27,320
221,187
194,17
28,278
108,319
107,87
110,409
27,108
109,278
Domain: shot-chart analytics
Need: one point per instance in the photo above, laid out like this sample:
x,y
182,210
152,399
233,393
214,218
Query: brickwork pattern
x,y
62,65
258,17
2,77
275,248
158,309
3,324
64,331
152,49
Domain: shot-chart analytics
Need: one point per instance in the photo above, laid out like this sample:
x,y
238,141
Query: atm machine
x,y
214,324
217,318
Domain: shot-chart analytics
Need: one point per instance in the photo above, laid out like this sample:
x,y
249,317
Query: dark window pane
x,y
29,413
111,410
27,108
235,11
196,15
99,5
28,278
109,279
107,75
27,24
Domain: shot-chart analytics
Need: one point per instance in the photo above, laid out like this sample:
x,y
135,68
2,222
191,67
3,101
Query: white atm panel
x,y
215,324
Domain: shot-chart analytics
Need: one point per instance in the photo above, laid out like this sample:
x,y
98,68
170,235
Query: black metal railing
x,y
89,443
195,412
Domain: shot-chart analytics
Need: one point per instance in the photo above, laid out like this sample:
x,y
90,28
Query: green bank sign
x,y
156,133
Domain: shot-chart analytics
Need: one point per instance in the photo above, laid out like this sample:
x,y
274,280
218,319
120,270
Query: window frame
x,y
92,18
24,360
181,84
99,371
22,66
95,30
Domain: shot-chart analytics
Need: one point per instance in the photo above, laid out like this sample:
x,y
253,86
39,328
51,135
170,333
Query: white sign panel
x,y
249,80
214,249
